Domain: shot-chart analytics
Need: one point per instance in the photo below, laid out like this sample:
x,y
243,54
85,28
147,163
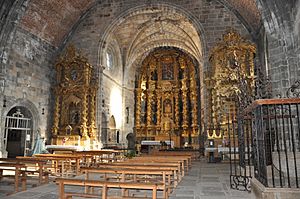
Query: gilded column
x,y
84,115
158,111
193,98
149,101
92,127
56,113
184,90
138,92
185,108
176,108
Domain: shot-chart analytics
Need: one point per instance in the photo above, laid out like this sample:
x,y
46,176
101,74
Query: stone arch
x,y
163,6
130,141
35,118
112,122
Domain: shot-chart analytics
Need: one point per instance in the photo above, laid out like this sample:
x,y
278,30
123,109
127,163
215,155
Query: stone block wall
x,y
30,77
281,23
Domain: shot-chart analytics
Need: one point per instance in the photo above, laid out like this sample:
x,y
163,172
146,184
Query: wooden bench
x,y
125,174
174,167
195,155
158,160
105,187
63,164
187,159
19,174
34,166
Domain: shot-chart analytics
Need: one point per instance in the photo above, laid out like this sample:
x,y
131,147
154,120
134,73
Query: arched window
x,y
109,60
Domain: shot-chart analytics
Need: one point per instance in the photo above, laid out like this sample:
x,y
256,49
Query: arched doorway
x,y
18,130
168,98
112,138
130,141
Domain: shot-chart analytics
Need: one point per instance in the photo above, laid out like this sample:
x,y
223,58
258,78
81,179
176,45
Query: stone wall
x,y
31,75
26,70
281,23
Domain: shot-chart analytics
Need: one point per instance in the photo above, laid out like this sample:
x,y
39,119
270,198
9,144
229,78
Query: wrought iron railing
x,y
240,152
275,126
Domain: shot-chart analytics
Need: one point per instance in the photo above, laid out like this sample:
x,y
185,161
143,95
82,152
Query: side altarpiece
x,y
230,81
75,100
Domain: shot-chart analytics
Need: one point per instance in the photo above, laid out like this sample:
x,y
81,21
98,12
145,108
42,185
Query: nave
x,y
203,181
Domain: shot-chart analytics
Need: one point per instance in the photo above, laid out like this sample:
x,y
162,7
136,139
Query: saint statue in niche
x,y
167,71
167,106
75,117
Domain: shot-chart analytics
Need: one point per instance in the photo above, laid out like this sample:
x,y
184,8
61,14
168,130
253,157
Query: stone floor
x,y
204,181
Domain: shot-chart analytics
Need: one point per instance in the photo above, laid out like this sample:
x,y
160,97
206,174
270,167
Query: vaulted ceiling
x,y
52,20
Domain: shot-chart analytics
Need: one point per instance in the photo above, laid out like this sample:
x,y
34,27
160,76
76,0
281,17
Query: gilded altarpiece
x,y
75,101
231,76
167,98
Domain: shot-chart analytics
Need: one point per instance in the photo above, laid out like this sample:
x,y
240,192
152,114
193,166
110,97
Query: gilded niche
x,y
167,101
75,99
231,75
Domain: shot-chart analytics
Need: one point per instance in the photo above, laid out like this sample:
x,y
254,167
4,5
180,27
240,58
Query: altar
x,y
64,148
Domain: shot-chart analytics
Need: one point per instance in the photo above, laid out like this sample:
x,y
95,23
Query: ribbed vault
x,y
146,29
42,17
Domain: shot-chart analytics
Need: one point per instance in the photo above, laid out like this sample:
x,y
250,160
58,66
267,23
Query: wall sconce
x,y
127,114
2,87
43,111
4,101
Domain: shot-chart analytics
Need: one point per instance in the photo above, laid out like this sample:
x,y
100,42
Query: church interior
x,y
214,81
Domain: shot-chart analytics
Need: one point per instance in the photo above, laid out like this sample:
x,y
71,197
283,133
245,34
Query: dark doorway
x,y
15,138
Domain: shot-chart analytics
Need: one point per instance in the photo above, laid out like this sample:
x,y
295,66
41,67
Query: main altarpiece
x,y
167,98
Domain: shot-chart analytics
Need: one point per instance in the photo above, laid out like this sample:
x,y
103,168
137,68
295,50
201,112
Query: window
x,y
109,60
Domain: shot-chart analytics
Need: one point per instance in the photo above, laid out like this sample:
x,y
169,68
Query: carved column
x,y
193,98
149,101
177,108
184,90
158,112
56,113
84,115
138,92
92,126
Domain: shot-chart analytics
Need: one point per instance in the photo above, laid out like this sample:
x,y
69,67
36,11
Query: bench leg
x,y
1,174
46,176
23,180
154,193
61,190
104,192
169,184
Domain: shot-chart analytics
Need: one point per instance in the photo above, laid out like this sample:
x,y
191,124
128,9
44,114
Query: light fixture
x,y
127,114
4,101
43,111
2,87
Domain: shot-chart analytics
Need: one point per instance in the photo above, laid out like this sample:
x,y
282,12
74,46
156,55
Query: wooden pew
x,y
174,167
195,155
187,159
19,174
38,165
155,159
95,156
124,173
63,164
105,187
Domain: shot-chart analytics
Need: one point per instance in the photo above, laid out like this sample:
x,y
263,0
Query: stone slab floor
x,y
204,181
